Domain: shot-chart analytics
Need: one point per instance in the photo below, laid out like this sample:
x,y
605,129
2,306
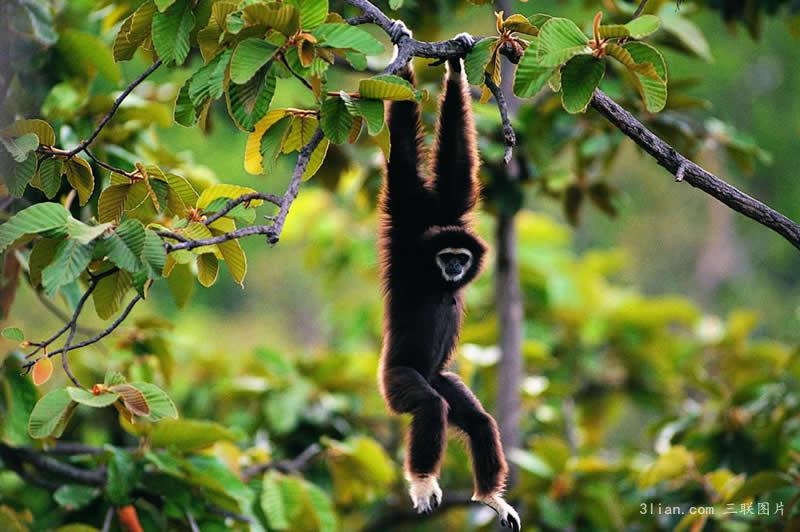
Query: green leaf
x,y
153,252
71,259
335,120
559,40
476,60
81,178
122,476
85,397
209,81
283,17
643,26
125,245
271,502
579,78
312,12
323,508
48,178
73,497
85,53
36,219
85,233
249,103
163,4
185,112
42,129
761,483
530,77
653,91
134,31
41,19
19,396
686,32
51,414
14,334
248,57
171,31
19,148
395,4
370,110
345,36
161,406
385,87
613,31
188,434
181,284
110,292
22,174
272,142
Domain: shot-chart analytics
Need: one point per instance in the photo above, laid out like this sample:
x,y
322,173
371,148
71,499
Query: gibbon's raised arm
x,y
406,196
455,160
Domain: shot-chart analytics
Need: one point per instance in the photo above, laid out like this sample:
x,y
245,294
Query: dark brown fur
x,y
423,311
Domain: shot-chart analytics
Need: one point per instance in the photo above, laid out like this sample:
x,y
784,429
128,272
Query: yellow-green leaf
x,y
207,269
42,129
252,154
225,191
316,159
110,292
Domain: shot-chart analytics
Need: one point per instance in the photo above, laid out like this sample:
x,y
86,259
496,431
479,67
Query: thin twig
x,y
295,465
233,203
192,523
107,519
60,314
89,477
117,102
639,9
509,137
679,166
94,339
107,166
297,76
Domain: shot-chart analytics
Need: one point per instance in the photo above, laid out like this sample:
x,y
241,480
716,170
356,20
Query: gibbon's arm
x,y
406,196
455,160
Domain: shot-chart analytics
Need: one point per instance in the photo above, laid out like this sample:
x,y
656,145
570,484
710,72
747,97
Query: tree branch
x,y
295,465
94,339
117,102
509,137
45,464
233,203
685,170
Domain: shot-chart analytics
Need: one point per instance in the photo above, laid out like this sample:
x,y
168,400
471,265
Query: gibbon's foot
x,y
466,39
508,516
425,493
398,30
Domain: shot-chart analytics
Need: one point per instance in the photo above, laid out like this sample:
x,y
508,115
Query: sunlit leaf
x,y
85,397
347,36
134,31
385,87
312,12
643,25
283,17
653,91
316,159
559,40
252,156
39,218
43,131
530,76
248,57
207,269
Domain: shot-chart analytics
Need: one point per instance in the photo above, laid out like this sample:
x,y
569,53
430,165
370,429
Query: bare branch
x,y
94,339
639,9
686,170
295,465
45,464
117,102
233,203
509,137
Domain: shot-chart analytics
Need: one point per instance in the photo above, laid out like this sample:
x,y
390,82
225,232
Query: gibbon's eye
x,y
454,263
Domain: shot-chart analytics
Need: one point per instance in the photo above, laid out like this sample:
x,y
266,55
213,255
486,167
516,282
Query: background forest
x,y
659,333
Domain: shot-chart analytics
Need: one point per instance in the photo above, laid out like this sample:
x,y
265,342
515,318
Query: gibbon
x,y
429,253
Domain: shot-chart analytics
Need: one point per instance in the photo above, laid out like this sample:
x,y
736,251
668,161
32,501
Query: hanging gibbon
x,y
429,254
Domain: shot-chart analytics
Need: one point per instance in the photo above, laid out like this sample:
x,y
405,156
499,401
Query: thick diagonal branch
x,y
685,170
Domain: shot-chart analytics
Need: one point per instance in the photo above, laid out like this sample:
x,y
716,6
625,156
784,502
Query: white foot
x,y
508,516
425,493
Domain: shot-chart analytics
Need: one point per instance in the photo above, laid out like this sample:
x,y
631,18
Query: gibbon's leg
x,y
455,159
488,462
407,391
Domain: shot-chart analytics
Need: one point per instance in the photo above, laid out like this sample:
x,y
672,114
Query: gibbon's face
x,y
454,263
